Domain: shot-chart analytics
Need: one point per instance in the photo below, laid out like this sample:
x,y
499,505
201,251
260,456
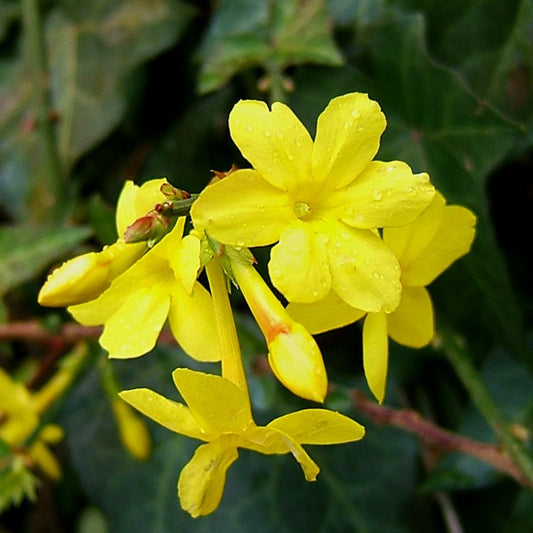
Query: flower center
x,y
301,209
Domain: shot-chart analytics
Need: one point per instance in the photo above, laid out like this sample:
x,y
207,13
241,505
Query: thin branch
x,y
438,438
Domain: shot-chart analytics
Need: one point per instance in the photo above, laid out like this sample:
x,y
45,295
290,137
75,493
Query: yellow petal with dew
x,y
217,404
243,210
132,430
412,322
298,264
452,240
347,139
364,271
85,277
192,321
172,415
376,353
319,426
296,361
274,141
384,194
185,261
201,482
408,242
147,272
331,312
134,328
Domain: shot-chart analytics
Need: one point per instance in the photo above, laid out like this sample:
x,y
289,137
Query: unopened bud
x,y
150,227
132,429
173,193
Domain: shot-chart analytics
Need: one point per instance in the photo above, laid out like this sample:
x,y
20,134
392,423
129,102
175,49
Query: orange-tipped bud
x,y
294,356
150,227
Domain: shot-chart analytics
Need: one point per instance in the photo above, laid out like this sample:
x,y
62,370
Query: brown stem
x,y
438,438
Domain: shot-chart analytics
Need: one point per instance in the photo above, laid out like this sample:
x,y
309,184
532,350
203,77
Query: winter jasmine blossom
x,y
319,201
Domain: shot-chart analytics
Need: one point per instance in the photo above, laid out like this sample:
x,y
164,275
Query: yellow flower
x,y
425,248
294,356
86,276
219,413
162,283
19,418
320,201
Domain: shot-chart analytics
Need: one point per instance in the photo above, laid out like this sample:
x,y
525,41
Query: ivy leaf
x,y
259,33
26,250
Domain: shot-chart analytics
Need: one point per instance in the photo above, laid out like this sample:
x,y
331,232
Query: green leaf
x,y
92,49
26,250
248,33
16,482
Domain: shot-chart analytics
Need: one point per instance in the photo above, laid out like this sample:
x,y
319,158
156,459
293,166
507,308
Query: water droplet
x,y
314,293
240,242
355,113
390,168
276,272
290,156
280,135
377,195
249,129
267,133
261,208
345,236
376,274
410,190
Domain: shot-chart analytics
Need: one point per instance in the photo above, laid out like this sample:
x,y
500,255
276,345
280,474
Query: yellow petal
x,y
347,139
243,210
217,404
309,467
135,201
319,426
364,271
407,242
201,482
192,321
329,313
45,460
298,264
376,353
185,261
384,194
52,434
173,415
147,272
296,361
132,430
412,322
452,240
134,328
275,142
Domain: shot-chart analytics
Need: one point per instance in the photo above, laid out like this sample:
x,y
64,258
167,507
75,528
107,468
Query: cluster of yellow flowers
x,y
352,238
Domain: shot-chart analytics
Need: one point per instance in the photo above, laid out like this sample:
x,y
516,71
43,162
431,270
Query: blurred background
x,y
94,93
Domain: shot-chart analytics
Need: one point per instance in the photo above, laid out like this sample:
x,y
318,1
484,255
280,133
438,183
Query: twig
x,y
438,438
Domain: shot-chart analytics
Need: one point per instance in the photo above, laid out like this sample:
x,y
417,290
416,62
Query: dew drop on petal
x,y
355,113
240,242
249,129
267,133
377,195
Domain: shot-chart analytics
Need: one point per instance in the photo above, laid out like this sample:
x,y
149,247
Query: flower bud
x,y
132,429
86,276
294,356
150,227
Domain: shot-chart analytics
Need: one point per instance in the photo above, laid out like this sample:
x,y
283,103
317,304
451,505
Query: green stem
x,y
232,367
50,202
276,87
485,402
